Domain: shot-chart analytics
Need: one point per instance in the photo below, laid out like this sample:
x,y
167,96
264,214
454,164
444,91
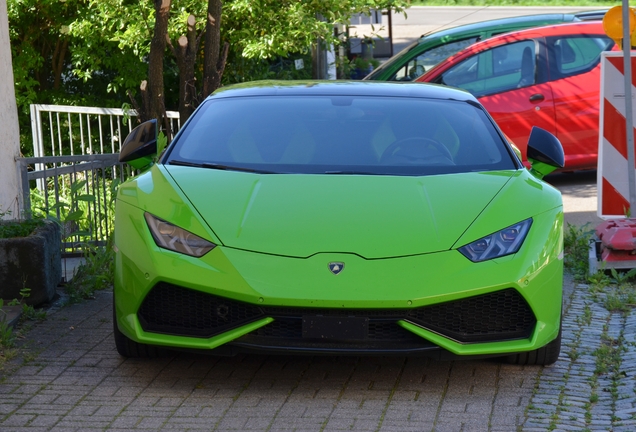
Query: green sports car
x,y
339,218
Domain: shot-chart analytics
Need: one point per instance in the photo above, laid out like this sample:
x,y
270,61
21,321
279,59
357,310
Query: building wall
x,y
9,128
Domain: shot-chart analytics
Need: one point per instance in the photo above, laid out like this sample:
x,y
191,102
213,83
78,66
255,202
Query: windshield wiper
x,y
351,172
218,166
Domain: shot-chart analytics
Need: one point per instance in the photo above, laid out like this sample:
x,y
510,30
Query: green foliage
x,y
599,280
116,34
7,335
84,208
599,3
620,298
28,312
162,142
241,69
101,46
622,278
126,108
22,228
42,49
95,273
357,67
97,270
608,356
576,244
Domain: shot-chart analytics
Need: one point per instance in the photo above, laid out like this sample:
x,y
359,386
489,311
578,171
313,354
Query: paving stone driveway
x,y
77,381
71,378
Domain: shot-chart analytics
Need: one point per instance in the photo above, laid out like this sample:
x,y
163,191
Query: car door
x,y
510,81
575,76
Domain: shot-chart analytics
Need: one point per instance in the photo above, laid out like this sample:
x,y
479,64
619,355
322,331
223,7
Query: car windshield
x,y
341,135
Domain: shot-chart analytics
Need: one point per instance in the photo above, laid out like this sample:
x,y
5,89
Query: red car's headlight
x,y
171,237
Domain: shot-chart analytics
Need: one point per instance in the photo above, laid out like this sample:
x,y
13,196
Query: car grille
x,y
175,310
180,311
496,316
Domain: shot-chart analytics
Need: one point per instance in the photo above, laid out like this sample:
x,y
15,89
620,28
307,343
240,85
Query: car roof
x,y
581,27
576,28
342,88
478,27
523,20
588,15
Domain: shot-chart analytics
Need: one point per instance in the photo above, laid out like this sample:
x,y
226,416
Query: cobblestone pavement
x,y
592,386
70,378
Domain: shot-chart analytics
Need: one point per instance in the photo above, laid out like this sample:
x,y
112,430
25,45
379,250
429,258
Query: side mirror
x,y
545,152
140,146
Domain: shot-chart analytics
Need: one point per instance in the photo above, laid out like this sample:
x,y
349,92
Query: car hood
x,y
300,215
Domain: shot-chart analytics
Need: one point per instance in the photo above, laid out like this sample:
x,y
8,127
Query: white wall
x,y
9,129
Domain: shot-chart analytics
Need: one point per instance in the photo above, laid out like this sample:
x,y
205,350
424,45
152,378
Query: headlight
x,y
169,236
502,243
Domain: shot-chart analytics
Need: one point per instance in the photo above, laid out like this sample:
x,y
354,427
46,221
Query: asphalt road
x,y
579,196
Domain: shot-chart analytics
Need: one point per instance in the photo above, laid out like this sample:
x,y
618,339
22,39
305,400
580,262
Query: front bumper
x,y
232,300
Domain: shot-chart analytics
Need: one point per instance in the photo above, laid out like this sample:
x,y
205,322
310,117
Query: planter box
x,y
31,262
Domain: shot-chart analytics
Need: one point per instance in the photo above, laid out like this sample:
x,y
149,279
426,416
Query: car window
x,y
572,55
416,67
496,70
343,134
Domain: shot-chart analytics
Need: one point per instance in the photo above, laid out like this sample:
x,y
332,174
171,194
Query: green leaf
x,y
630,274
87,198
77,186
74,216
59,205
162,141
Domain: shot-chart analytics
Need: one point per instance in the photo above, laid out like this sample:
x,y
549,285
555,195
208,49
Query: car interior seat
x,y
242,146
527,68
301,147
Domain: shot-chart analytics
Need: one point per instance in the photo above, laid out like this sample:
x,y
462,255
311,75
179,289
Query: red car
x,y
547,77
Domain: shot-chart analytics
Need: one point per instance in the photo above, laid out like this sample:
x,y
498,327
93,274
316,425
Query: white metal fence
x,y
75,168
60,130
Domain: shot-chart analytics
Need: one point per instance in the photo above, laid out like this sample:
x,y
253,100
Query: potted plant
x,y
30,258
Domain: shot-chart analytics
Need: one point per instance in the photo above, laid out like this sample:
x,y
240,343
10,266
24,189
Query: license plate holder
x,y
335,327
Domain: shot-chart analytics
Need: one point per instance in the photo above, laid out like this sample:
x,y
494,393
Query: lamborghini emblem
x,y
336,267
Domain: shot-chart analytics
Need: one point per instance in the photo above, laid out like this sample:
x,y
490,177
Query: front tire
x,y
126,347
543,356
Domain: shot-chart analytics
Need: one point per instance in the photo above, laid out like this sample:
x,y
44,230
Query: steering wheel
x,y
415,148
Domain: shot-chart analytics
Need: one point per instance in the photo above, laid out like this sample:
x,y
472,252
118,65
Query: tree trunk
x,y
213,63
155,99
185,53
58,62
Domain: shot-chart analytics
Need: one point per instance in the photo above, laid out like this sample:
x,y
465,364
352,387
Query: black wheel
x,y
129,348
543,356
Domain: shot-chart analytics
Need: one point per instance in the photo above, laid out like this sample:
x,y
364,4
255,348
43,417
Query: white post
x,y
10,198
629,129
